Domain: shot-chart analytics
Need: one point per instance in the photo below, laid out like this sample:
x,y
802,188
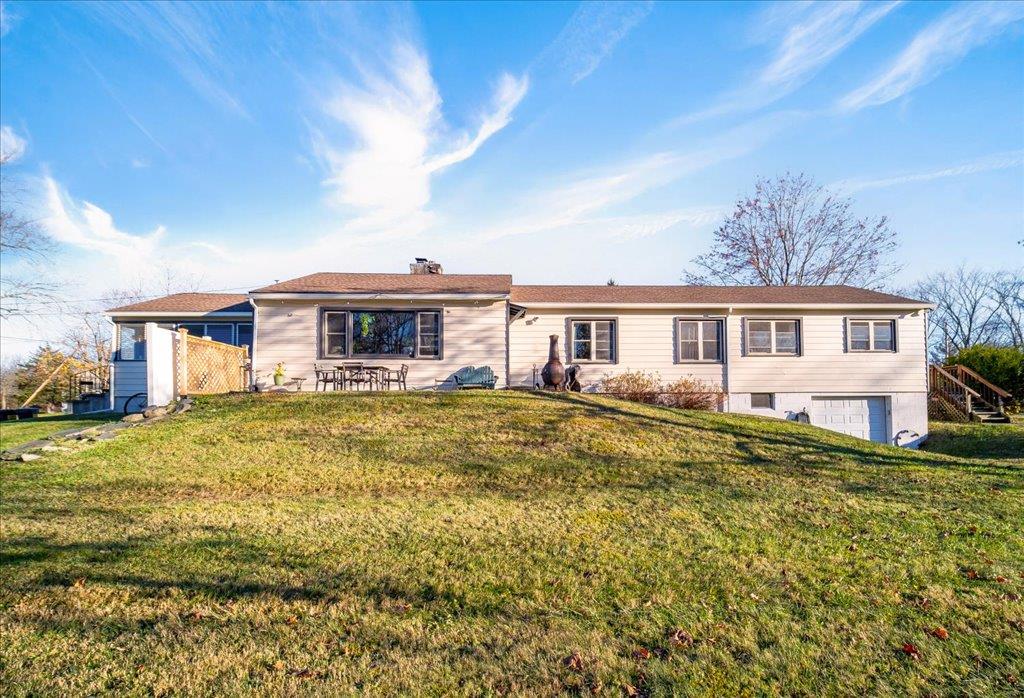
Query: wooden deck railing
x,y
991,395
951,390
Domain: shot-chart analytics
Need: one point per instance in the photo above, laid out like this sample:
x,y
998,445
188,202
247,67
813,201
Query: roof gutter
x,y
142,314
739,306
377,296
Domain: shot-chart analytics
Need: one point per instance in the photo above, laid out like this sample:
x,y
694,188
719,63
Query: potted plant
x,y
279,374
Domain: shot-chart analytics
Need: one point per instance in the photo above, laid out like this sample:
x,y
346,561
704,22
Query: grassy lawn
x,y
506,543
974,440
22,431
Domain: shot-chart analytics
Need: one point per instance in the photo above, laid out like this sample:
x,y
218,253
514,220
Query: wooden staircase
x,y
959,392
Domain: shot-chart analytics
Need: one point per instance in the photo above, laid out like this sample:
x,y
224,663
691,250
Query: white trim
x,y
378,295
722,351
772,345
140,314
871,320
867,307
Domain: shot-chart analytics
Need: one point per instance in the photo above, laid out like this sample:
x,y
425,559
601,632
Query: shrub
x,y
693,394
636,386
687,393
1003,366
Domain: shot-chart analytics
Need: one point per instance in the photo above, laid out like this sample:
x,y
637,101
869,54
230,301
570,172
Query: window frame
x,y
570,341
142,325
206,324
892,322
774,352
321,327
700,338
322,333
771,401
252,333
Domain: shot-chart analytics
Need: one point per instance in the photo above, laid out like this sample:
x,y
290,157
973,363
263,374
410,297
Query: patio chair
x,y
395,375
357,375
326,375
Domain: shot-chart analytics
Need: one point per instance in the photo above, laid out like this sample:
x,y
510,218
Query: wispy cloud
x,y
7,19
88,227
192,38
590,198
989,163
936,48
807,37
397,139
810,44
624,228
12,146
591,34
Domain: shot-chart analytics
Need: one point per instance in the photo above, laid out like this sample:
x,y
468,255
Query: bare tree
x,y
975,306
794,232
27,287
1008,291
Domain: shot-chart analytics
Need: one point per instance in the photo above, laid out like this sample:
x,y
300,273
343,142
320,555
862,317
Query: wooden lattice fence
x,y
206,367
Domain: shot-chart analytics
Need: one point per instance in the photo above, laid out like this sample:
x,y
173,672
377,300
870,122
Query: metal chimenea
x,y
553,373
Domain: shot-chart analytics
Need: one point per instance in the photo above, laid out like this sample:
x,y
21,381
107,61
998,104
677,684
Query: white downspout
x,y
252,349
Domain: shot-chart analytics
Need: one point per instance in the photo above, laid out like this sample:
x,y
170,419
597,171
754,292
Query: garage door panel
x,y
863,417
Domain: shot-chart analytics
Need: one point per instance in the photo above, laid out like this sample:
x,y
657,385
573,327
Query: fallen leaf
x,y
1001,579
641,654
1011,679
574,661
630,690
971,574
1011,596
940,633
292,620
972,529
910,649
680,638
78,583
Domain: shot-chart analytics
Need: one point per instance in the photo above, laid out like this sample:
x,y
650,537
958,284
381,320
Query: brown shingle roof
x,y
331,282
190,303
723,295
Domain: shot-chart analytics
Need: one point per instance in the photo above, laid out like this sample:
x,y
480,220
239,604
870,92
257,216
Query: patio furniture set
x,y
359,376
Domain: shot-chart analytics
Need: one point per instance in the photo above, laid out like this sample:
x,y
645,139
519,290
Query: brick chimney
x,y
422,265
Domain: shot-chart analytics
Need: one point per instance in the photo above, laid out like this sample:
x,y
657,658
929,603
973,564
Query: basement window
x,y
762,401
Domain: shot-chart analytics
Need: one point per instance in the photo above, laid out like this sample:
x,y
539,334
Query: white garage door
x,y
863,417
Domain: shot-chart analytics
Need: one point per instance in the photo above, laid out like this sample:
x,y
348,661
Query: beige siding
x,y
645,343
473,335
825,365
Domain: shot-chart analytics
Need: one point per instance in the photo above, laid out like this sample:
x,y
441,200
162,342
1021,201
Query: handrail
x,y
952,390
956,381
976,376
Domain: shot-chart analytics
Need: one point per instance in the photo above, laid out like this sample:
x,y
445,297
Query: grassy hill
x,y
506,543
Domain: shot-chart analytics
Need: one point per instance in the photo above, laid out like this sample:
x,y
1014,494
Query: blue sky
x,y
233,144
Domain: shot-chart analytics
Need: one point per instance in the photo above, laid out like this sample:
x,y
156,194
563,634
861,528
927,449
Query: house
x,y
847,358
